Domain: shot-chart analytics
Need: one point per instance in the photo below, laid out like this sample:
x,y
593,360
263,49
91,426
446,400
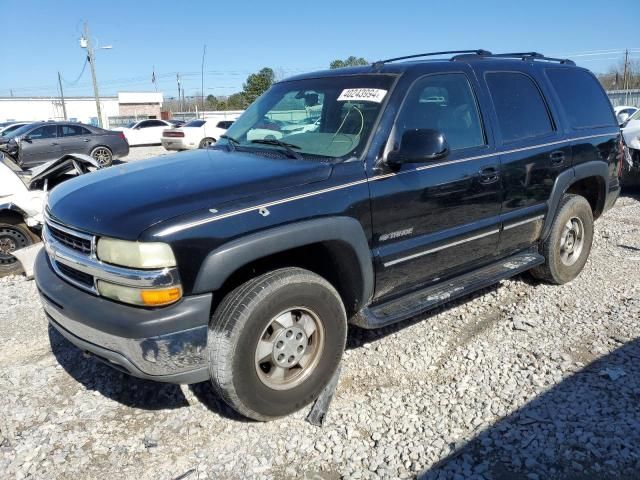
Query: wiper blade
x,y
232,142
289,147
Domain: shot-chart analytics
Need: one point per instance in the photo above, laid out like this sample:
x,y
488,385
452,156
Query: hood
x,y
124,200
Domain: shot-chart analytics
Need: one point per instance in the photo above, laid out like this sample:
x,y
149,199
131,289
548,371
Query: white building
x,y
82,109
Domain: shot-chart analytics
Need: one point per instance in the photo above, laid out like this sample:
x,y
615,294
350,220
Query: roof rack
x,y
534,56
480,52
467,54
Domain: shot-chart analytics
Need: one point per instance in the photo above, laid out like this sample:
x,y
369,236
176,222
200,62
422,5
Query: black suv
x,y
362,195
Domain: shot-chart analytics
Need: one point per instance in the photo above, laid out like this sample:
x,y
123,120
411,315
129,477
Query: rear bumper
x,y
612,194
171,143
166,344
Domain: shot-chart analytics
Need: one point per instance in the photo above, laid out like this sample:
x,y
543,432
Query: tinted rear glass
x,y
194,123
581,97
522,112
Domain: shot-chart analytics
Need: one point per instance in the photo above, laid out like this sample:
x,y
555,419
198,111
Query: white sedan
x,y
145,132
194,134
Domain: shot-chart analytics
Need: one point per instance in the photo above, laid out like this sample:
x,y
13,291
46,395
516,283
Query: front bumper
x,y
165,344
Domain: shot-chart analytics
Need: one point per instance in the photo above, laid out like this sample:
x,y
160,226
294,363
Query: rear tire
x,y
207,142
275,342
103,156
14,235
567,247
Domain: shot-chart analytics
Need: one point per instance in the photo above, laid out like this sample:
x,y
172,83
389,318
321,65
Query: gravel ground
x,y
139,153
520,381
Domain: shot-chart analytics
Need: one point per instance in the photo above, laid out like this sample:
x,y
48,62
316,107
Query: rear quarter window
x,y
584,102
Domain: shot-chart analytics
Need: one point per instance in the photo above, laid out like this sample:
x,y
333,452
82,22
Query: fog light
x,y
155,297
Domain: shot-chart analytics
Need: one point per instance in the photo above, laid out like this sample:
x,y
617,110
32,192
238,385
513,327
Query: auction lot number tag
x,y
362,94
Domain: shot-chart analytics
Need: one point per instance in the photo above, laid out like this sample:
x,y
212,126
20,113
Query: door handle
x,y
54,143
557,157
86,140
489,174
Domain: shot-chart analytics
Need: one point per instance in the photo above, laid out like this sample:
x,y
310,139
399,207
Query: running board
x,y
418,302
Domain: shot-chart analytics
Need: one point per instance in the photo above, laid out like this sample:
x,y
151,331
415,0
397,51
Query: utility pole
x,y
64,108
204,51
624,76
179,94
91,60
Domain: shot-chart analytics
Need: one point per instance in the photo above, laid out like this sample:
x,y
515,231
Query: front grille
x,y
76,243
76,275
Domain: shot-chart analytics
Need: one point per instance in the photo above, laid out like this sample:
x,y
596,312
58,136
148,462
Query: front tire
x,y
567,248
275,342
103,156
14,235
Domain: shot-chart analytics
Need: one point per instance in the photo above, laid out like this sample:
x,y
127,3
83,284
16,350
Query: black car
x,y
40,142
244,263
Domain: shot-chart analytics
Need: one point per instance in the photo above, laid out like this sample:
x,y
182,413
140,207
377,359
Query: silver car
x,y
40,142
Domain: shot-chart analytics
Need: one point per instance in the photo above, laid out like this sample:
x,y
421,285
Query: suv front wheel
x,y
567,247
275,342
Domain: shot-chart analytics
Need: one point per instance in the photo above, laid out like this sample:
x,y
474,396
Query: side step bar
x,y
418,302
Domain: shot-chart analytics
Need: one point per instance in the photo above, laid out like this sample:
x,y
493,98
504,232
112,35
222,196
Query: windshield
x,y
18,131
132,124
326,117
194,123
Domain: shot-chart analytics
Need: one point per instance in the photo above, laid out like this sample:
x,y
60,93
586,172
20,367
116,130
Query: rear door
x,y
434,219
533,152
74,139
40,145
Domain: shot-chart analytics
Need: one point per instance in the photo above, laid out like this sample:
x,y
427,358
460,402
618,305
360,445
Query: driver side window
x,y
443,102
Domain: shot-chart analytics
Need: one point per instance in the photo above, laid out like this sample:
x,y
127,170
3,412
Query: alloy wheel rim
x,y
571,241
289,349
102,156
11,239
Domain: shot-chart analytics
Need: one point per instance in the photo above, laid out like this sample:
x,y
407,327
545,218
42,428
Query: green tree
x,y
257,84
237,101
349,62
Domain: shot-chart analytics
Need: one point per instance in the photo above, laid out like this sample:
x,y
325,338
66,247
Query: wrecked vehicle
x,y
22,197
631,134
244,263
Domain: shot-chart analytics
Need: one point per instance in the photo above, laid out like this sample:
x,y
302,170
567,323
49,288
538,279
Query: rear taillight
x,y
121,135
170,134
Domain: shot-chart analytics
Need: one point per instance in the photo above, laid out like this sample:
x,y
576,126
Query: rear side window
x,y
522,112
581,97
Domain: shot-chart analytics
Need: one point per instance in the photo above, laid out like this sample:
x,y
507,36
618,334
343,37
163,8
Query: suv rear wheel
x,y
567,248
275,342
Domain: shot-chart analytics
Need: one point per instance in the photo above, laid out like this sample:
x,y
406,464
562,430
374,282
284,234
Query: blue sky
x,y
41,38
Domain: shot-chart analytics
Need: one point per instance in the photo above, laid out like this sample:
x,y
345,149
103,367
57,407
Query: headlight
x,y
135,254
137,296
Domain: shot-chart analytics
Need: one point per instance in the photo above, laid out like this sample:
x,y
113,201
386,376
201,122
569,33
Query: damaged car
x,y
23,194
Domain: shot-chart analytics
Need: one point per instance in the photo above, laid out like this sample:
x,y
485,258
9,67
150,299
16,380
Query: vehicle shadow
x,y
115,385
585,427
131,391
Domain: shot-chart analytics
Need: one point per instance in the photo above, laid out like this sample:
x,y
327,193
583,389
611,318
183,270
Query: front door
x,y
40,145
432,220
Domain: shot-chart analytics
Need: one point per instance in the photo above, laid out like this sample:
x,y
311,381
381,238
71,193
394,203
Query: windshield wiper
x,y
231,143
289,147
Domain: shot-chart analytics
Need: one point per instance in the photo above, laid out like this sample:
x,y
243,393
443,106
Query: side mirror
x,y
420,145
26,138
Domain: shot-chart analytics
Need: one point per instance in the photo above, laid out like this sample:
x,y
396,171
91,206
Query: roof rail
x,y
479,52
533,56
